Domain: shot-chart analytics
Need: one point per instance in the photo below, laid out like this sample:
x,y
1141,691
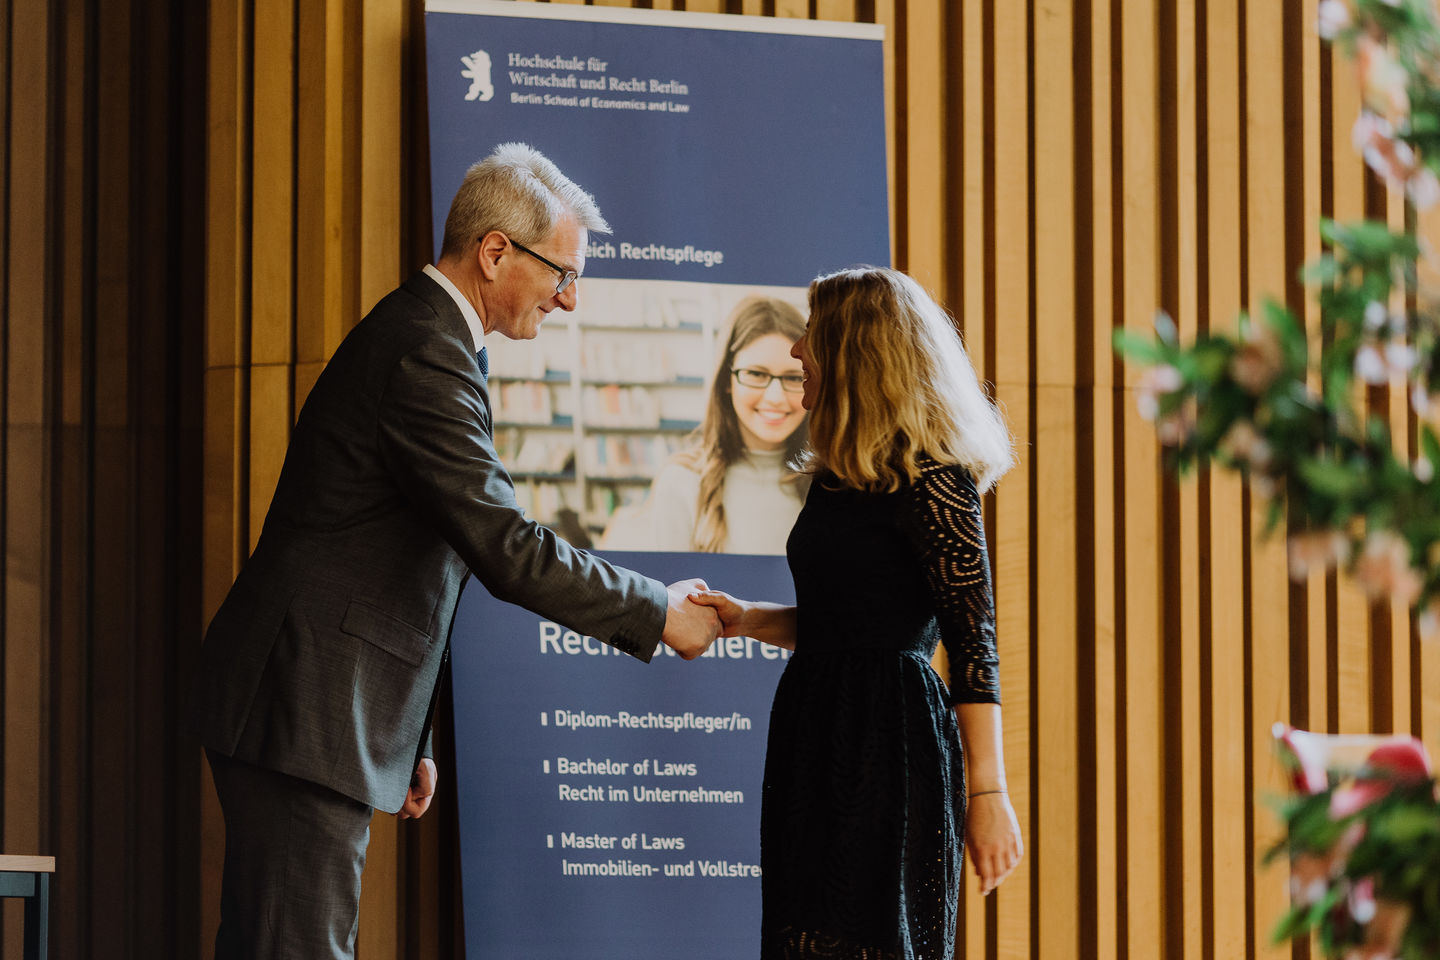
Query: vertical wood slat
x,y
1055,825
325,99
381,892
225,506
1317,612
835,10
112,682
1266,176
1393,703
273,228
273,220
381,189
378,219
1188,668
1228,858
1105,257
1427,665
71,626
1143,669
969,208
11,715
1013,532
1352,665
227,337
885,16
162,456
22,450
383,888
922,174
226,390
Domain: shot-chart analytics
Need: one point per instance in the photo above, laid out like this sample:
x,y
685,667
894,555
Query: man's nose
x,y
567,299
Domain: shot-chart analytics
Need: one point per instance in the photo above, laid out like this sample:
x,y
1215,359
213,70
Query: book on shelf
x,y
633,457
522,401
611,405
543,501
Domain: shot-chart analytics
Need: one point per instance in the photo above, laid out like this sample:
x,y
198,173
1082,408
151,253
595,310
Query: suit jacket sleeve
x,y
435,437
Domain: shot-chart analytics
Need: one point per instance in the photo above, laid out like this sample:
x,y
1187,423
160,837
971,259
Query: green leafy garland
x,y
1287,409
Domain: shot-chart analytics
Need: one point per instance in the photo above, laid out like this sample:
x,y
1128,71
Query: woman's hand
x,y
771,623
992,838
730,610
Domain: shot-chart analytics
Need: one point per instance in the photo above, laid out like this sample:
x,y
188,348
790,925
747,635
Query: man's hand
x,y
689,627
422,788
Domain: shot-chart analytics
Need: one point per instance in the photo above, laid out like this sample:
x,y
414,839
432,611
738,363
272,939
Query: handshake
x,y
694,618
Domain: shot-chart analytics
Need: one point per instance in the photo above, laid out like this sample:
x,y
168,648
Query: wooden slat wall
x,y
101,280
1095,162
1058,169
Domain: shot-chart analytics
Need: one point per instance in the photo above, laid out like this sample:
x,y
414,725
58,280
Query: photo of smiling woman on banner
x,y
734,489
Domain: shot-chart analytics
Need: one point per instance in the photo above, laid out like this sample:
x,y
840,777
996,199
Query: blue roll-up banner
x,y
609,808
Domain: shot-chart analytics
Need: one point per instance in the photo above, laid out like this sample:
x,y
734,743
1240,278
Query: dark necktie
x,y
484,360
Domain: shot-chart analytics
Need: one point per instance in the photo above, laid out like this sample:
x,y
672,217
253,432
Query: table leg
x,y
37,920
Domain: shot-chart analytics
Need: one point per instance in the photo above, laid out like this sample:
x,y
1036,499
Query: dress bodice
x,y
898,572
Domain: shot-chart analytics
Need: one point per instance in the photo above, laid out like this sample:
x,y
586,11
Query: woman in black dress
x,y
877,774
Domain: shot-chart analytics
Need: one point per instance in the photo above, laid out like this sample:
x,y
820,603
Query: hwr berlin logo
x,y
477,71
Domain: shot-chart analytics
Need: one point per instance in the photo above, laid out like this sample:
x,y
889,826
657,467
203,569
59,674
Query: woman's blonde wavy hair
x,y
894,384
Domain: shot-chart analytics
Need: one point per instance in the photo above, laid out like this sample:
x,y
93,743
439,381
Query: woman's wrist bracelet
x,y
981,793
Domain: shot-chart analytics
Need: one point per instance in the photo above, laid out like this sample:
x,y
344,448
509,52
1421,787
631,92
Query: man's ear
x,y
488,252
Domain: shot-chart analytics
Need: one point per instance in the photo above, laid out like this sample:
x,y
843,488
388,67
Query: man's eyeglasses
x,y
760,380
567,277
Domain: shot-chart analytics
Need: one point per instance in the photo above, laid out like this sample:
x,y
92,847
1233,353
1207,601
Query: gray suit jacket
x,y
323,661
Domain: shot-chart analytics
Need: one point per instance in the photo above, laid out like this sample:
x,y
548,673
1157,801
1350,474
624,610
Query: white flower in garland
x,y
1331,18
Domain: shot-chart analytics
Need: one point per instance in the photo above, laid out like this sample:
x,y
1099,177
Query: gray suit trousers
x,y
294,852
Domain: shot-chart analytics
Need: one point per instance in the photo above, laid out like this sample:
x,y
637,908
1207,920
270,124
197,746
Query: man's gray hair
x,y
519,192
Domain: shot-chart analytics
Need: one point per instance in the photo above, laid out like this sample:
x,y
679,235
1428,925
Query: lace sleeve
x,y
950,532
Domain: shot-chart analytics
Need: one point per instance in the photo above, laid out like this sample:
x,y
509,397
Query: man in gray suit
x,y
318,675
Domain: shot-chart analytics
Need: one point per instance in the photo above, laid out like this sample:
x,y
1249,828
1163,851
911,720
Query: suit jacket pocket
x,y
378,628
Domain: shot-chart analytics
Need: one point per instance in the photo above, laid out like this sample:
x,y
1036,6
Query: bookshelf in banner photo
x,y
588,412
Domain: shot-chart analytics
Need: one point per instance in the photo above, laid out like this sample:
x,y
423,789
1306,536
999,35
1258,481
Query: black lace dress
x,y
863,815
